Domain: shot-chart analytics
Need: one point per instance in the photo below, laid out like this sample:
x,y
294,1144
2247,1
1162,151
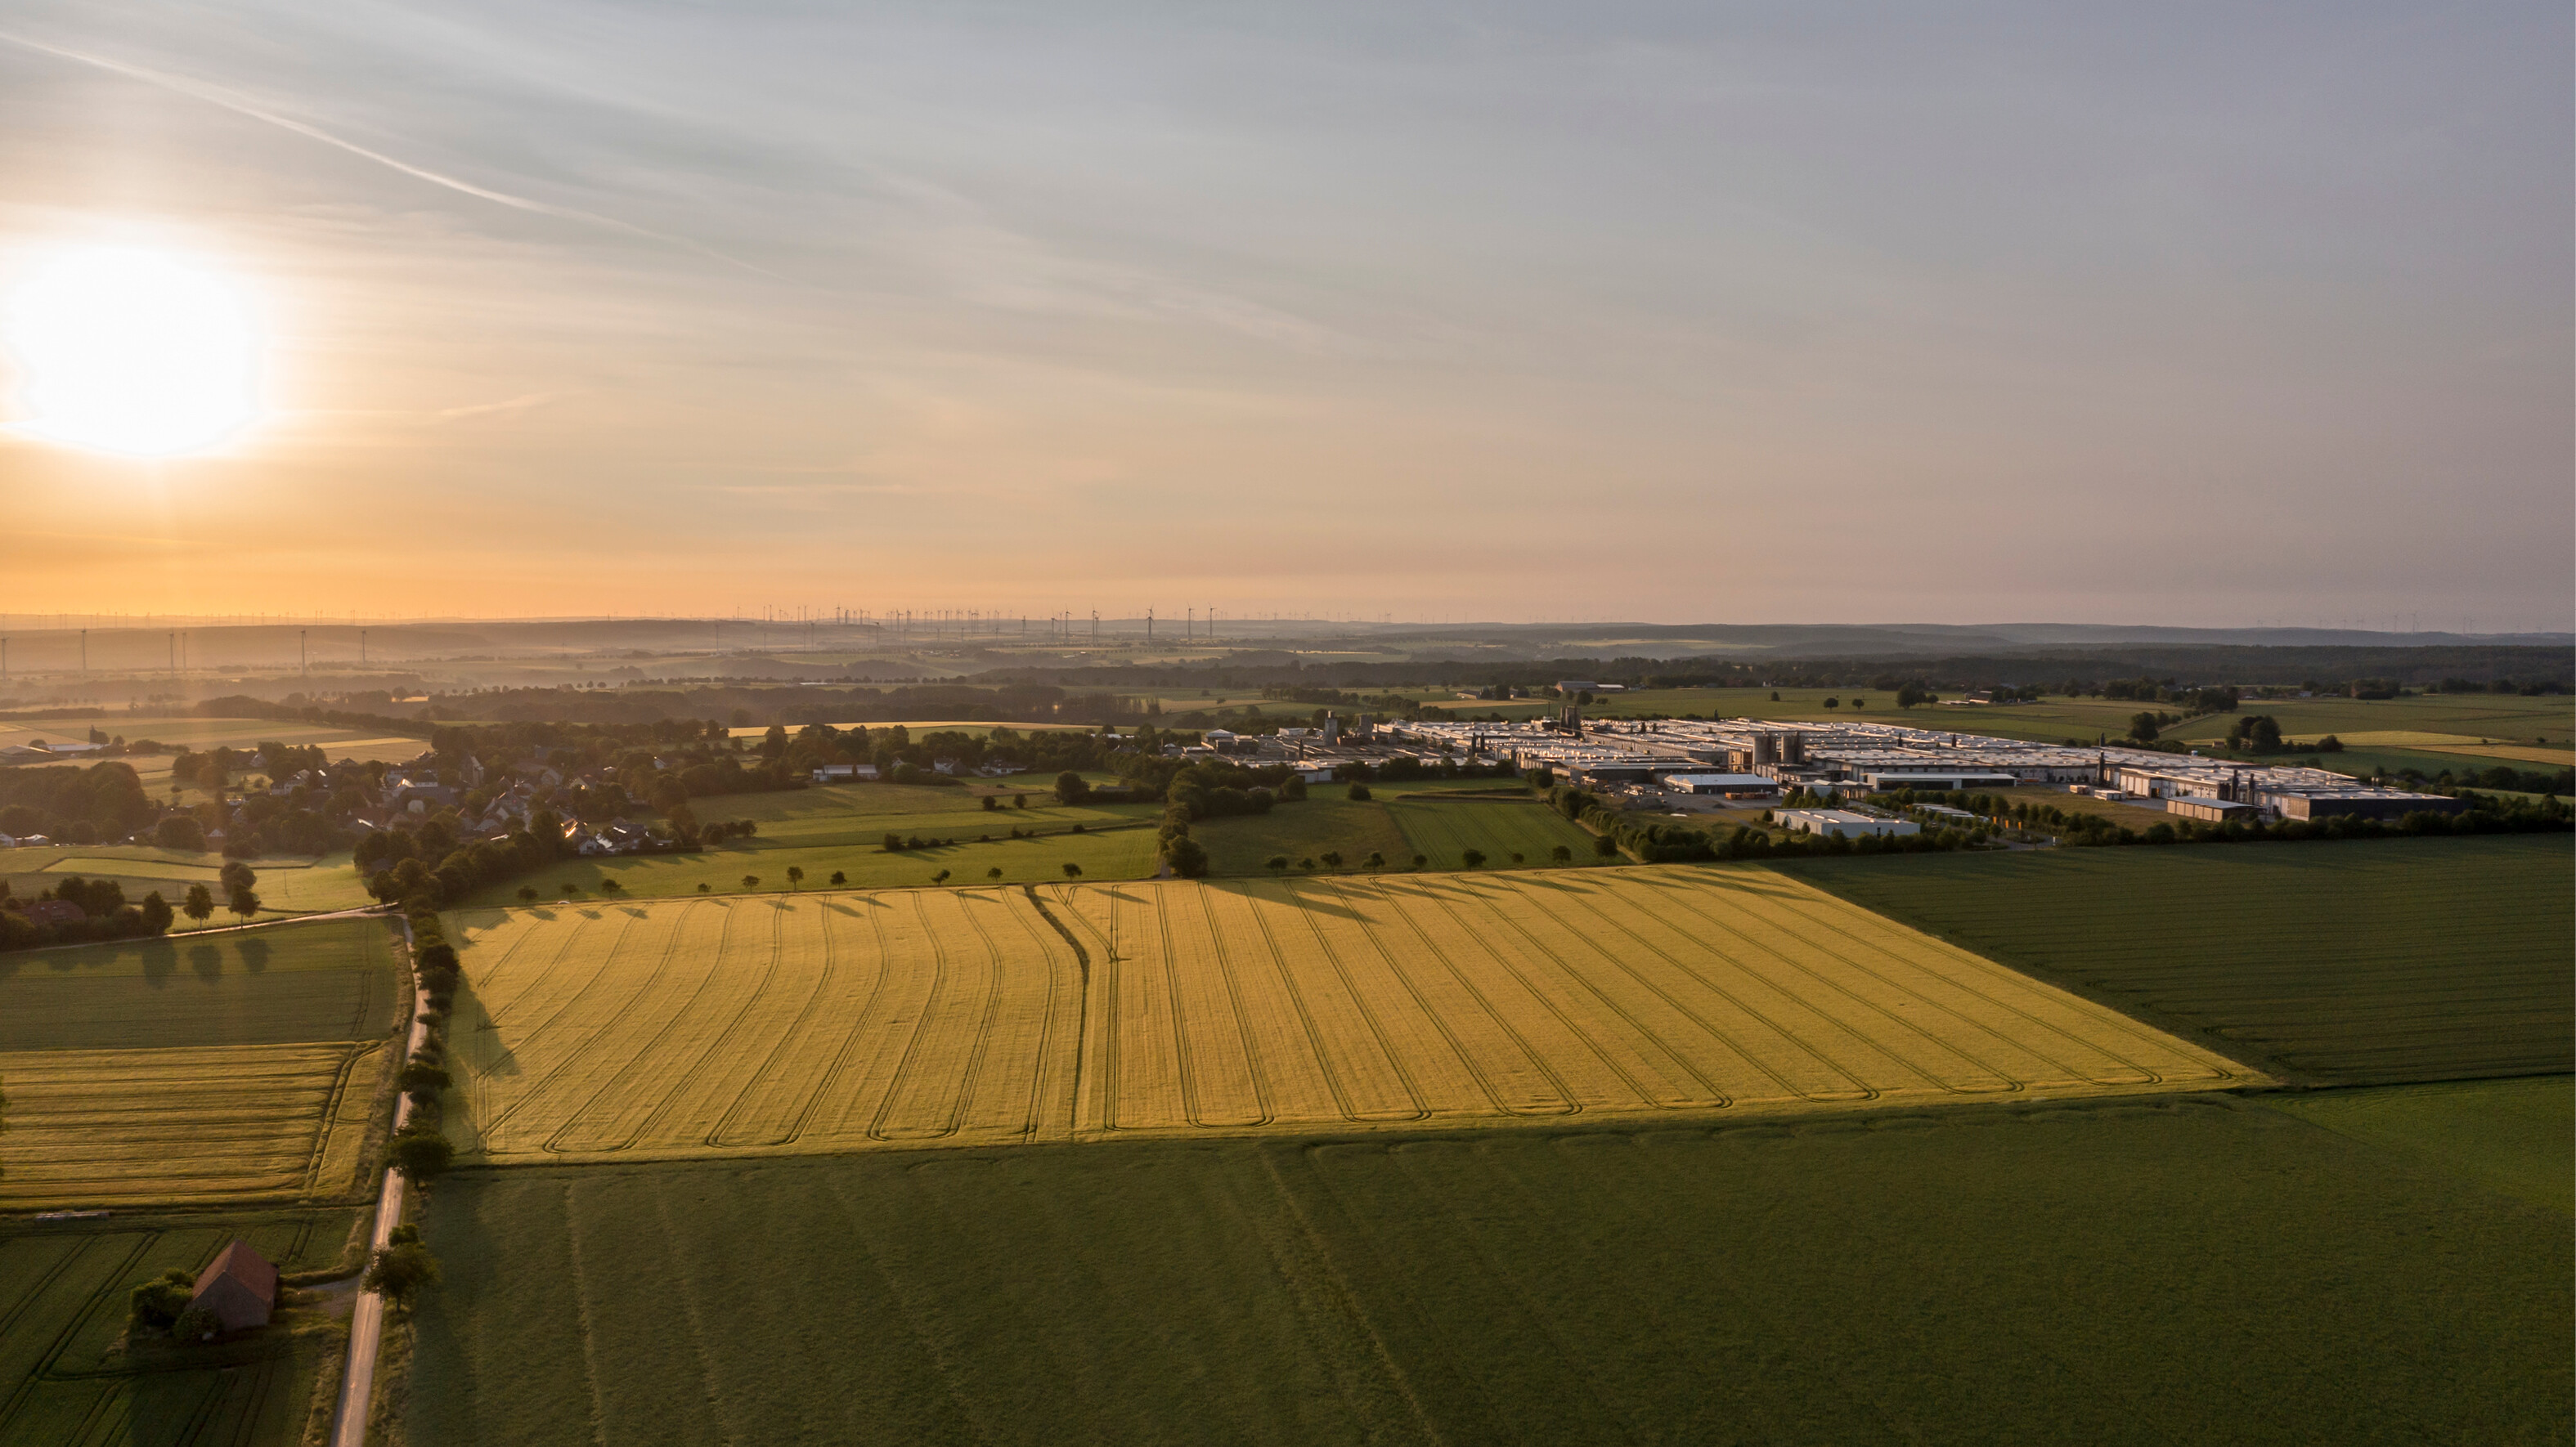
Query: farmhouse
x,y
55,911
240,1287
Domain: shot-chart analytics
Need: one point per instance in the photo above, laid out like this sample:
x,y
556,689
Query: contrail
x,y
198,90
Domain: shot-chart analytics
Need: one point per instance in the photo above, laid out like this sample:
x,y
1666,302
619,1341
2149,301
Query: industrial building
x,y
1842,823
1649,760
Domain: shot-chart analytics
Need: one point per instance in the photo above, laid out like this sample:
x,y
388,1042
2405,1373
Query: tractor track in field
x,y
1539,951
724,931
320,1153
1569,1105
921,1027
973,1074
1438,1023
573,1054
1233,985
1323,1055
1047,1027
1376,1028
784,1046
1905,1028
768,974
1805,910
1439,899
1082,1003
849,1040
1861,1091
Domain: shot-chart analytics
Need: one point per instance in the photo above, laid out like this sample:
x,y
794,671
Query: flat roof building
x,y
1842,822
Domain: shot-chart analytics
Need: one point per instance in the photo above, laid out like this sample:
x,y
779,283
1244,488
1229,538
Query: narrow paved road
x,y
367,1318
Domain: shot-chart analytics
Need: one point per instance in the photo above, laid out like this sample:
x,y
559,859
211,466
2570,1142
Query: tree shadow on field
x,y
254,952
1304,899
206,962
160,960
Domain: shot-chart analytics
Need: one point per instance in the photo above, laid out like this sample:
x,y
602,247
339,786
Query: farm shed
x,y
240,1287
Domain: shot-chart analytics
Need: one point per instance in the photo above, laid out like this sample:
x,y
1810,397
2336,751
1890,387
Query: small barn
x,y
240,1287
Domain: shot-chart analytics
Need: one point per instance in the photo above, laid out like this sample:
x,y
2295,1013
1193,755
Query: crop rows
x,y
191,1124
817,1022
850,1021
1416,998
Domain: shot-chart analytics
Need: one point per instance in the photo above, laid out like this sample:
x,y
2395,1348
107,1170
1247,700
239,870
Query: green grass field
x,y
64,1382
1120,853
327,980
2198,1270
287,886
1445,829
2518,1136
2353,963
1306,829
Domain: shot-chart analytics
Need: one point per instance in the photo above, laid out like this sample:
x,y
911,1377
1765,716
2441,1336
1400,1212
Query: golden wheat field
x,y
187,1124
828,1022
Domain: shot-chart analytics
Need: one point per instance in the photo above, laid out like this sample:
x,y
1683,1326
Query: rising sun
x,y
133,351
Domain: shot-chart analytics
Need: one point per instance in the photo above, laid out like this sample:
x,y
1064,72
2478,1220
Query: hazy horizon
x,y
2201,316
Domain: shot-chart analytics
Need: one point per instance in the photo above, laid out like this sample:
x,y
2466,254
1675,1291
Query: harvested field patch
x,y
187,1125
860,1021
328,980
2191,1269
2365,962
63,1292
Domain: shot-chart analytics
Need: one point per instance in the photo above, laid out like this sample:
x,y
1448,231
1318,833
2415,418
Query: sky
x,y
2191,314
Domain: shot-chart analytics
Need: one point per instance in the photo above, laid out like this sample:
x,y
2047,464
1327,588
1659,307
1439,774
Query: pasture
x,y
326,980
63,1381
2363,962
2194,1269
1119,853
1446,828
986,1016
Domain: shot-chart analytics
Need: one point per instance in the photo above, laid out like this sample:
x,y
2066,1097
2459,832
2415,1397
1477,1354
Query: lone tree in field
x,y
840,878
610,886
1561,854
993,873
1073,871
1421,860
1333,859
1276,863
796,876
940,878
1474,858
1374,861
200,904
235,875
1071,788
402,1269
751,881
527,894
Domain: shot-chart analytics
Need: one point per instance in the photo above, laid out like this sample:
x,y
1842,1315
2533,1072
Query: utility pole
x,y
303,663
362,648
1149,625
1095,627
84,650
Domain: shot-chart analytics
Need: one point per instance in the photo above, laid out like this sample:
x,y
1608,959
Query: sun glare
x,y
133,351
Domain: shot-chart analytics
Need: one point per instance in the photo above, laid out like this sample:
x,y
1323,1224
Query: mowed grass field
x,y
2198,1269
1445,829
2362,962
63,1292
241,1066
989,1016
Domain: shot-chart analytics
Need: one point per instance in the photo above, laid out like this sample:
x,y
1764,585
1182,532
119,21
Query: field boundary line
x,y
315,1159
2138,1031
2013,1084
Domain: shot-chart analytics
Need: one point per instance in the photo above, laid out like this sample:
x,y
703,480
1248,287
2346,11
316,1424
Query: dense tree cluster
x,y
69,804
107,915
